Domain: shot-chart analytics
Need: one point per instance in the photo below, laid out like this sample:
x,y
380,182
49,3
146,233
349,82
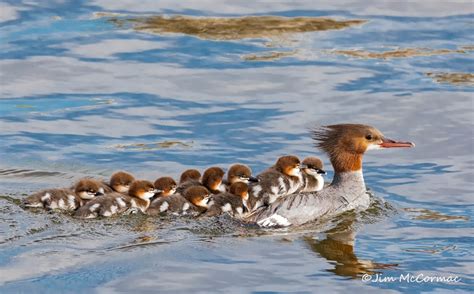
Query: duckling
x,y
168,201
138,199
120,182
200,197
282,179
190,177
233,202
313,172
212,180
166,185
239,173
65,198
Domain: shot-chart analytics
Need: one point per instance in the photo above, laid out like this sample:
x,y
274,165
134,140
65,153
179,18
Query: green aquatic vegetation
x,y
268,56
234,28
431,215
153,146
399,53
455,78
10,199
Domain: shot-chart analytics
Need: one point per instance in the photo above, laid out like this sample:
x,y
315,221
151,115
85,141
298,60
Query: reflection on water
x,y
82,95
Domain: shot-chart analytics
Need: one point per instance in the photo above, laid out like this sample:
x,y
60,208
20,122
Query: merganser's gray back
x,y
346,192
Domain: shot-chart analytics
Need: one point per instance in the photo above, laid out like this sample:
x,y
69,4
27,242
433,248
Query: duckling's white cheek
x,y
148,195
373,147
86,195
296,172
121,189
101,190
221,187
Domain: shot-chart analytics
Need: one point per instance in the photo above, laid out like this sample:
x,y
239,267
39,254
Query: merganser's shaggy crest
x,y
65,199
345,144
233,202
239,173
120,182
115,203
282,179
313,172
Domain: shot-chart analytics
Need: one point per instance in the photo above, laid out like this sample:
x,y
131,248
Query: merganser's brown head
x,y
240,189
199,196
189,175
313,166
167,185
289,165
121,181
346,144
88,189
212,179
142,189
240,173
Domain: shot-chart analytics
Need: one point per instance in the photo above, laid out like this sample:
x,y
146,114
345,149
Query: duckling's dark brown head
x,y
240,173
121,181
88,189
212,179
313,166
167,185
198,195
240,189
289,165
142,189
190,175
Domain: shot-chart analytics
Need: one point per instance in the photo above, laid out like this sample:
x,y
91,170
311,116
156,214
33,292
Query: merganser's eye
x,y
369,137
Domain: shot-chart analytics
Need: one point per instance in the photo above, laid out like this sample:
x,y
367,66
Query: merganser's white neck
x,y
349,185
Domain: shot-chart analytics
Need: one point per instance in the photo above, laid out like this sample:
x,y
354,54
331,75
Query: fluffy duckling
x,y
212,179
138,198
239,173
120,182
199,196
65,198
282,179
233,202
190,177
168,201
166,185
313,172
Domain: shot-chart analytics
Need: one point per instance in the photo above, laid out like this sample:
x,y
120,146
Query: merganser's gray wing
x,y
295,209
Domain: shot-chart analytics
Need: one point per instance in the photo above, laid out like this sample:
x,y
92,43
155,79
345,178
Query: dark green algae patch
x,y
234,28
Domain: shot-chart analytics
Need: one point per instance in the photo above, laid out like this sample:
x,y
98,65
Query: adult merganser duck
x,y
138,199
313,172
239,173
282,179
233,202
345,145
68,199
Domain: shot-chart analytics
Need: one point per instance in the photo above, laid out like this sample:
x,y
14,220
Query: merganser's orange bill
x,y
389,143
